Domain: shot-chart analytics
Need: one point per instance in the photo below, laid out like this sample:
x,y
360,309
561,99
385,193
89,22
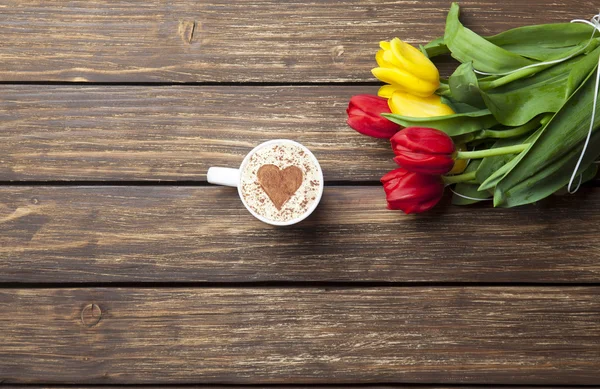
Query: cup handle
x,y
223,176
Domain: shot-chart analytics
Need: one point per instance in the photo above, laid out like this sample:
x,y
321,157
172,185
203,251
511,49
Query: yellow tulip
x,y
406,104
406,69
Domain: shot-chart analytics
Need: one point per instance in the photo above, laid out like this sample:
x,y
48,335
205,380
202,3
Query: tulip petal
x,y
364,116
422,140
405,80
412,192
394,174
425,163
415,61
423,150
381,61
390,58
424,205
385,45
387,91
407,104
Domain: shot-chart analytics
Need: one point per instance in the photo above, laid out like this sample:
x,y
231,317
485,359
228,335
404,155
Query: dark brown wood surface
x,y
224,40
150,276
294,386
543,335
193,234
175,133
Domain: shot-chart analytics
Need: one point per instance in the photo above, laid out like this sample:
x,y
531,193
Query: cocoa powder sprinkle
x,y
282,156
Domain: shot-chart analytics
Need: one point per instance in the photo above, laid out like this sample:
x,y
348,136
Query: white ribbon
x,y
595,23
467,197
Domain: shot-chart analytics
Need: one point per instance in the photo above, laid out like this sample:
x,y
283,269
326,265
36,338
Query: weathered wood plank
x,y
203,234
293,386
225,40
175,133
488,335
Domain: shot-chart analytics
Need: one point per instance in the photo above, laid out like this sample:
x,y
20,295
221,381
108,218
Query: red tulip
x,y
364,115
423,150
412,192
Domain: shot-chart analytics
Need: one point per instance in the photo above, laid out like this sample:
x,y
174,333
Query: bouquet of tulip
x,y
515,122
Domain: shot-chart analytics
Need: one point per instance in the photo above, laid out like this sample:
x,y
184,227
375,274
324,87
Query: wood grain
x,y
175,133
204,234
235,41
516,335
294,386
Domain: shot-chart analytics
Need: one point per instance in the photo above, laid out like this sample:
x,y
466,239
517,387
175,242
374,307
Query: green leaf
x,y
516,103
459,107
502,132
490,165
581,70
499,174
587,175
469,190
436,47
544,42
453,125
467,46
465,87
554,177
565,131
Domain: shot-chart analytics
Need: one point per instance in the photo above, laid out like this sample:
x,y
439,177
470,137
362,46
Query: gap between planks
x,y
204,234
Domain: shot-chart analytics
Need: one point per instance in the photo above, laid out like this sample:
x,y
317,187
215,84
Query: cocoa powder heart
x,y
279,185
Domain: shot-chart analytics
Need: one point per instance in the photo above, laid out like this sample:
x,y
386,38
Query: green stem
x,y
444,90
521,130
502,134
459,178
491,152
503,80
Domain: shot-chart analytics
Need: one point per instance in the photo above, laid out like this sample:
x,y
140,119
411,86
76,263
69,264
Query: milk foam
x,y
282,155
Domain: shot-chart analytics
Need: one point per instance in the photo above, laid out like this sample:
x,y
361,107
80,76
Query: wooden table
x,y
120,265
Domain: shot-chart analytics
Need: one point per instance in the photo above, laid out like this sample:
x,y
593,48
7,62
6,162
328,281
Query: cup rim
x,y
315,202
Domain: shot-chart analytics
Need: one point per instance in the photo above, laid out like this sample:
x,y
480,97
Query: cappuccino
x,y
280,181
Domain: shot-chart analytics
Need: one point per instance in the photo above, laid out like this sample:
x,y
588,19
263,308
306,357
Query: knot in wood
x,y
336,53
187,28
90,315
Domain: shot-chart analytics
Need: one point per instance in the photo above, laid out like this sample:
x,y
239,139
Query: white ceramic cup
x,y
231,177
